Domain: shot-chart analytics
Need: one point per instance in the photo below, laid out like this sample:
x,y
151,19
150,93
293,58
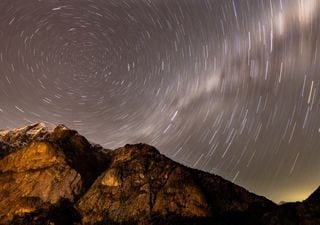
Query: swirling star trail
x,y
230,87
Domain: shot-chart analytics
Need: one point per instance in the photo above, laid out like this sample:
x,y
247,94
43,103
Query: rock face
x,y
41,169
22,136
55,176
141,185
36,175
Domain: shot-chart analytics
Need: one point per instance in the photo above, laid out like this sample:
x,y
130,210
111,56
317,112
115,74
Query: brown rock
x,y
33,176
141,184
45,172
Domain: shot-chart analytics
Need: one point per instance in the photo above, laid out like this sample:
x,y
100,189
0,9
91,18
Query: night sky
x,y
229,87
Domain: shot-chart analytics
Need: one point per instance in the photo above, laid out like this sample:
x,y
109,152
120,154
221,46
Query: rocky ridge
x,y
53,175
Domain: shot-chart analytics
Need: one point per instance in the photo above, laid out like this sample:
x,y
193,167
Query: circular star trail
x,y
230,87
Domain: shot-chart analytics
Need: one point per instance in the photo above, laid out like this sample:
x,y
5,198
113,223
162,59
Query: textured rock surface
x,y
44,169
38,173
23,136
55,176
141,184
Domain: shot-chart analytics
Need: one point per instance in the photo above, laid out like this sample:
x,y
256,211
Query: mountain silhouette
x,y
53,175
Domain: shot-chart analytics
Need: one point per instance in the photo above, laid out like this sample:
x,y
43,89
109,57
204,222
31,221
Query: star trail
x,y
227,86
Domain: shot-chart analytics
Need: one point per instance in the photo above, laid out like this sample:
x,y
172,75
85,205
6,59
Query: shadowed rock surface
x,y
55,176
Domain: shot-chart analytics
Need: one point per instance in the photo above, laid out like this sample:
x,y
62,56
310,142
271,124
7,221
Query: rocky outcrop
x,y
141,184
55,176
49,168
34,176
21,137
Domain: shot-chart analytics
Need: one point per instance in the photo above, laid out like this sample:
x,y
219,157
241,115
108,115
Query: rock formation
x,y
55,176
